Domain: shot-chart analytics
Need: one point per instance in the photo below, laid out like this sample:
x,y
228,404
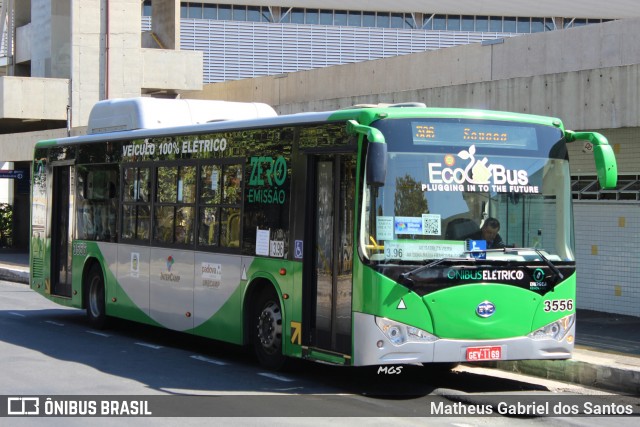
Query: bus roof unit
x,y
114,115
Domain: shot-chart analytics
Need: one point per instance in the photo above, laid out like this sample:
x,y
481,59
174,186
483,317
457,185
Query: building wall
x,y
587,76
607,239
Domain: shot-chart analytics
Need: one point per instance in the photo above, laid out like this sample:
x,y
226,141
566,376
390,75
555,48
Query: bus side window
x,y
136,211
96,202
220,200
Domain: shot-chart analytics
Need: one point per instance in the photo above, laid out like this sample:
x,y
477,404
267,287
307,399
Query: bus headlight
x,y
556,330
399,333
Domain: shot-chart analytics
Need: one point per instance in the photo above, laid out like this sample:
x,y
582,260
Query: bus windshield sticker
x,y
384,228
432,224
415,250
425,225
408,225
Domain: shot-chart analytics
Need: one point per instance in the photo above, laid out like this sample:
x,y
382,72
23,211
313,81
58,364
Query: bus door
x,y
328,271
61,229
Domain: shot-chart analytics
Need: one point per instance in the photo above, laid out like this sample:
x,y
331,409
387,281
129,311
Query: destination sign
x,y
447,133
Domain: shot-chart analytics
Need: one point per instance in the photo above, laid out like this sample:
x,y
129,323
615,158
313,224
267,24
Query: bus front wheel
x,y
267,330
95,299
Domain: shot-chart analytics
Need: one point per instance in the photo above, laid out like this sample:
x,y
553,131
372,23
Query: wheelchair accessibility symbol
x,y
297,254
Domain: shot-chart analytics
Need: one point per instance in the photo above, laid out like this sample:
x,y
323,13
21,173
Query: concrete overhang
x,y
32,104
614,9
33,98
166,69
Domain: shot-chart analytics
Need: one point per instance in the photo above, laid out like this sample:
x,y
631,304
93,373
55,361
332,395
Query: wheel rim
x,y
94,297
270,327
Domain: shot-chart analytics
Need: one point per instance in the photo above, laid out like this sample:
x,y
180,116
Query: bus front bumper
x,y
372,347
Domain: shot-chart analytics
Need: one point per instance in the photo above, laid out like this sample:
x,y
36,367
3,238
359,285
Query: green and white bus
x,y
351,237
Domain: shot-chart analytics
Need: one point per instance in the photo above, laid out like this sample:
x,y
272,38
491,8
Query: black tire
x,y
266,326
95,298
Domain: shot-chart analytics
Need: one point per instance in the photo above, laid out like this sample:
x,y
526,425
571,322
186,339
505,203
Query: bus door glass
x,y
61,229
333,251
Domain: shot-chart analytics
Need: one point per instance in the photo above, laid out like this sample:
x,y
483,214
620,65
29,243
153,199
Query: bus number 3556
x,y
558,305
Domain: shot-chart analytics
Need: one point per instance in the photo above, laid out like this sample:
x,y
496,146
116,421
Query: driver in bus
x,y
489,233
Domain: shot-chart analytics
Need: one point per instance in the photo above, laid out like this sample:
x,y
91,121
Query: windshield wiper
x,y
549,263
406,277
540,254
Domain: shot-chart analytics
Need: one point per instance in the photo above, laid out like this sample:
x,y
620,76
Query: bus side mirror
x,y
376,152
606,165
376,164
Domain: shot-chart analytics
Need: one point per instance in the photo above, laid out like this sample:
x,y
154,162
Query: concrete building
x,y
588,76
256,38
61,57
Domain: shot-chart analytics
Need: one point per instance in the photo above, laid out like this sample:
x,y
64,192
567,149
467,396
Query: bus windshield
x,y
469,189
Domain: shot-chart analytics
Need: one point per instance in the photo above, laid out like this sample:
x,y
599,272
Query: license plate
x,y
484,353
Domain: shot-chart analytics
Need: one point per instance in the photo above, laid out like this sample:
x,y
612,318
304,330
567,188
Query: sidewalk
x,y
14,266
607,353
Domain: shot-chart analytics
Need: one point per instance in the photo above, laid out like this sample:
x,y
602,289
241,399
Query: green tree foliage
x,y
409,199
6,224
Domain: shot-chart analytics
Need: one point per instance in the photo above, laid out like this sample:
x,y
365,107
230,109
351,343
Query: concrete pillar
x,y
50,38
106,59
165,23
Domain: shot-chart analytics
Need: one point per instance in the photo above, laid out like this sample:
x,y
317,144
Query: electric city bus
x,y
352,237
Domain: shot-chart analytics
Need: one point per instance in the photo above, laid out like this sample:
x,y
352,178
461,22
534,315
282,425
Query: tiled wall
x,y
608,252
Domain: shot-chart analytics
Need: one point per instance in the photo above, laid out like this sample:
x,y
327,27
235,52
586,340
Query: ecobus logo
x,y
476,172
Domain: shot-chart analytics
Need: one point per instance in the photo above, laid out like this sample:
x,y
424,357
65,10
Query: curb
x,y
576,371
14,275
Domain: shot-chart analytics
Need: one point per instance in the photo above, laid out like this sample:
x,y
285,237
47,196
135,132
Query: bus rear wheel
x,y
95,298
267,330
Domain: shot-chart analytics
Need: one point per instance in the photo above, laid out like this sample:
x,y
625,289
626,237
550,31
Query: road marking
x,y
289,389
98,333
17,314
276,377
144,344
54,323
208,360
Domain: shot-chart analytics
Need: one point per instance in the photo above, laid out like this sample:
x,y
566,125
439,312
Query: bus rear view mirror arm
x,y
376,152
606,165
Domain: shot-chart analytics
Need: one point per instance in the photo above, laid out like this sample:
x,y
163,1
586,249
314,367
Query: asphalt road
x,y
49,350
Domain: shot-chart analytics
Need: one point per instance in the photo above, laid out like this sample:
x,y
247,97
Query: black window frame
x,y
219,206
135,203
175,204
